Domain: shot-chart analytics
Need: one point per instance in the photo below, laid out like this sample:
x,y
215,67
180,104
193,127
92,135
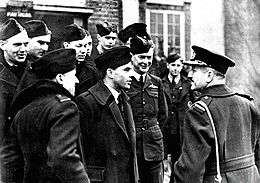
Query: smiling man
x,y
149,109
107,123
13,45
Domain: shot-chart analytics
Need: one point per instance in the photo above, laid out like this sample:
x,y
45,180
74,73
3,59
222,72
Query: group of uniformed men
x,y
85,113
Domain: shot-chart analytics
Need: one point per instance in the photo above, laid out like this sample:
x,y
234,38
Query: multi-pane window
x,y
167,30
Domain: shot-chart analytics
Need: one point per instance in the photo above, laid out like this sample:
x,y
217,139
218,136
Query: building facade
x,y
168,21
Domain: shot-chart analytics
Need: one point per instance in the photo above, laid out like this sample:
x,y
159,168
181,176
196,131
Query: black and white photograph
x,y
130,91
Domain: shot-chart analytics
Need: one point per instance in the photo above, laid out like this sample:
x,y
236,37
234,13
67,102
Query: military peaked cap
x,y
140,45
36,28
55,62
205,58
132,30
105,28
74,32
9,29
113,58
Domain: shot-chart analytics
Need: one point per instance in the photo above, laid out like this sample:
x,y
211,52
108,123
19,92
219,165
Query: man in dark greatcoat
x,y
221,129
46,126
13,52
107,124
149,108
80,39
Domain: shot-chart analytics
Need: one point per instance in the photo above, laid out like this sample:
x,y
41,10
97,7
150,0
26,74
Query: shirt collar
x,y
113,91
137,76
176,79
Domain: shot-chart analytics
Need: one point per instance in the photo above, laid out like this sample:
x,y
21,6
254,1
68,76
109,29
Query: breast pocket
x,y
153,98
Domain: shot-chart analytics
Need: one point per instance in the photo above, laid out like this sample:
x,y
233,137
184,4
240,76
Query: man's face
x,y
143,61
69,81
108,41
175,67
122,76
15,48
82,47
39,45
200,77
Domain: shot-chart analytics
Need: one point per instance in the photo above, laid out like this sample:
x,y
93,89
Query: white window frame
x,y
165,28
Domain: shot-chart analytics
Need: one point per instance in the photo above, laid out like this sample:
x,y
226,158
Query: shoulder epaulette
x,y
198,107
62,98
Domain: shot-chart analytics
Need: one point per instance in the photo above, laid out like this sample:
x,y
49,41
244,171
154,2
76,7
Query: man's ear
x,y
65,44
110,73
98,37
210,75
3,44
59,78
167,65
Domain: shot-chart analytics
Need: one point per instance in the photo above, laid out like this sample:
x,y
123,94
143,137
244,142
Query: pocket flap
x,y
95,173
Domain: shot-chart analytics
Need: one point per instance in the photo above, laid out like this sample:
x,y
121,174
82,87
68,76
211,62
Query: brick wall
x,y
104,10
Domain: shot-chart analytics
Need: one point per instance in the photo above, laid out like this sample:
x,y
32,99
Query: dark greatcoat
x,y
237,124
28,77
9,78
95,53
46,129
108,139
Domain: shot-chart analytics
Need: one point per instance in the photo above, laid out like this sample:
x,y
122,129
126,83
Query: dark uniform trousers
x,y
177,96
150,111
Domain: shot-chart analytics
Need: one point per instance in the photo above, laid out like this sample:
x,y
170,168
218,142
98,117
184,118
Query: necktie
x,y
141,80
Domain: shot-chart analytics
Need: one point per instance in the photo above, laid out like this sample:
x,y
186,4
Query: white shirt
x,y
137,76
114,92
176,79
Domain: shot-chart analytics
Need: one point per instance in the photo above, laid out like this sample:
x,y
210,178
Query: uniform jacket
x,y
177,96
87,74
108,137
46,129
28,77
9,78
150,113
95,53
237,125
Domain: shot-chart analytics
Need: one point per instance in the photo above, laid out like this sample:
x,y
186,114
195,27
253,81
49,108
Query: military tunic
x,y
237,124
150,113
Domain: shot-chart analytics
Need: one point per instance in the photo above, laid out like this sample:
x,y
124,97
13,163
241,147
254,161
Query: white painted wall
x,y
130,12
76,3
207,24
